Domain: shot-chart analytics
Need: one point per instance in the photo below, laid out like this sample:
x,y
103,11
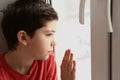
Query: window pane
x,y
71,34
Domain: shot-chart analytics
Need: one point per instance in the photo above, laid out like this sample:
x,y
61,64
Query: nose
x,y
53,43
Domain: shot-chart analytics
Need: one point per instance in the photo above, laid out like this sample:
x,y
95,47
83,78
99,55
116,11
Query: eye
x,y
49,34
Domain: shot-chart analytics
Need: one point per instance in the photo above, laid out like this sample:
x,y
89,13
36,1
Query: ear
x,y
22,37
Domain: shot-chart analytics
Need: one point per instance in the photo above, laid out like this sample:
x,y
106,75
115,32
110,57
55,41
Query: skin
x,y
29,49
38,48
68,66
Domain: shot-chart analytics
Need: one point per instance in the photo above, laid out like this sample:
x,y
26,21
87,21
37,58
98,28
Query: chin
x,y
44,58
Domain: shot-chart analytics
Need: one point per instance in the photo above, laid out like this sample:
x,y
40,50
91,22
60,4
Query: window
x,y
71,34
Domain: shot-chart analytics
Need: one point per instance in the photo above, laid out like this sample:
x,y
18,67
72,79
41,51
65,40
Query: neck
x,y
19,61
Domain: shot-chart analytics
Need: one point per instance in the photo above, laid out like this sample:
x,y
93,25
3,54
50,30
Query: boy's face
x,y
43,41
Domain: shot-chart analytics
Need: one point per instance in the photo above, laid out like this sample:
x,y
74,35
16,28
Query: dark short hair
x,y
27,15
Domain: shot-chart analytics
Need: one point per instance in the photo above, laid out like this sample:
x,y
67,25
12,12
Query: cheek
x,y
43,44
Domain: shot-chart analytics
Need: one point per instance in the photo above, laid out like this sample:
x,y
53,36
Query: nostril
x,y
53,43
54,49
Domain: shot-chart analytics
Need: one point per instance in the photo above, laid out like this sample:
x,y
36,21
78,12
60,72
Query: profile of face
x,y
42,43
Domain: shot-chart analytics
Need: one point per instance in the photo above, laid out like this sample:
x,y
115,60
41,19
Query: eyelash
x,y
49,34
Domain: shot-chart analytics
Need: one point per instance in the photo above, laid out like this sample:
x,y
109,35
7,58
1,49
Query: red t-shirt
x,y
40,70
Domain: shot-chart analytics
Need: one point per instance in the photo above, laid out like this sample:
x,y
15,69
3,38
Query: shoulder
x,y
1,55
1,61
1,58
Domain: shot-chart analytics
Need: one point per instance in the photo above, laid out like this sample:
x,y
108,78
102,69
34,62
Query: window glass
x,y
73,35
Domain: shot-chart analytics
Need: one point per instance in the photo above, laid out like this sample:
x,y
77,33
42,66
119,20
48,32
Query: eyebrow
x,y
50,31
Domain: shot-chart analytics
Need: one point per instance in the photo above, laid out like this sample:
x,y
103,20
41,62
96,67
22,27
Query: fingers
x,y
71,57
68,55
68,61
68,66
74,67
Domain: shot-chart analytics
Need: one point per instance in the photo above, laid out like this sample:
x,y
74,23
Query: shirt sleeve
x,y
51,68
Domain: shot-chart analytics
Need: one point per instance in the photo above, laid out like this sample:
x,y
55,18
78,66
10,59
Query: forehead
x,y
50,26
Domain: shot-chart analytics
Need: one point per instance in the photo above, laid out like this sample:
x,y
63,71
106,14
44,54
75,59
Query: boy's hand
x,y
68,67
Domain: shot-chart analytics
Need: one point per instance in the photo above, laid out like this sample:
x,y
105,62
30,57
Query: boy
x,y
29,28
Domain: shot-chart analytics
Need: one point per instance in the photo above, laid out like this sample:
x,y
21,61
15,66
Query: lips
x,y
51,51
